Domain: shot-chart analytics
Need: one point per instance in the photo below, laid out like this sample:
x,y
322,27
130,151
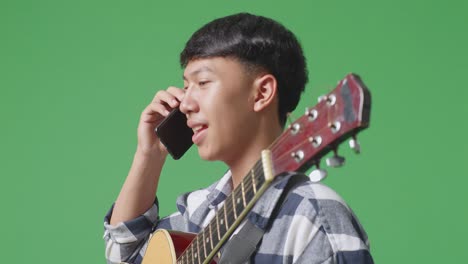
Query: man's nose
x,y
188,103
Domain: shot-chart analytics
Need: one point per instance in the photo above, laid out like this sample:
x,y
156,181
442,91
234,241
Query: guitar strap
x,y
243,244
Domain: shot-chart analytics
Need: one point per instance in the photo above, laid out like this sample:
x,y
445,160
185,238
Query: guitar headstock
x,y
339,115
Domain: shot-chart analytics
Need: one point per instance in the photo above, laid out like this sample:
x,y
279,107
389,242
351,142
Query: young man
x,y
243,74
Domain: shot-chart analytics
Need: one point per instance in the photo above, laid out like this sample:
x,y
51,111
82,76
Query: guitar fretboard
x,y
210,239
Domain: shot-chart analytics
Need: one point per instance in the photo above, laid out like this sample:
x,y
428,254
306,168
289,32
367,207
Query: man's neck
x,y
241,166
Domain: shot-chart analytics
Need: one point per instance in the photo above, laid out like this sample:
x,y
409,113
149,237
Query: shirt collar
x,y
220,190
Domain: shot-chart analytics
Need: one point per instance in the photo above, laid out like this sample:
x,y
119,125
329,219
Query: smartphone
x,y
174,133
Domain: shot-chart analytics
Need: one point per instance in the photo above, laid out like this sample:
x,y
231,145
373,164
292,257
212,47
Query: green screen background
x,y
75,76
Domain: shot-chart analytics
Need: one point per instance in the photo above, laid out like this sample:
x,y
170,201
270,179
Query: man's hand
x,y
161,105
137,193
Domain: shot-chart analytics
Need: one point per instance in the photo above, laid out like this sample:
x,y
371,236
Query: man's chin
x,y
206,155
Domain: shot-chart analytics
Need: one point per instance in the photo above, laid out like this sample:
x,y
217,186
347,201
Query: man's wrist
x,y
150,154
150,157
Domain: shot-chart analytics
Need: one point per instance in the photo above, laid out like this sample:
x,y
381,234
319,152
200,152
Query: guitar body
x,y
166,245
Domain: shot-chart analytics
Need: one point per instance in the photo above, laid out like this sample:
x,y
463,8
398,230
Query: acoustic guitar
x,y
339,115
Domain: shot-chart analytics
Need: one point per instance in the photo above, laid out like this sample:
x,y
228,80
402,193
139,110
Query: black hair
x,y
259,42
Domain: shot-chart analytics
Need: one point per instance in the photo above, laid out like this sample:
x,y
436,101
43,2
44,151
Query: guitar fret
x,y
250,194
234,205
203,241
185,255
197,255
211,236
181,260
254,184
191,251
225,217
239,205
260,177
217,226
222,222
243,193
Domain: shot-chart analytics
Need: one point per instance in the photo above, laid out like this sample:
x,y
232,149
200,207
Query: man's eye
x,y
201,83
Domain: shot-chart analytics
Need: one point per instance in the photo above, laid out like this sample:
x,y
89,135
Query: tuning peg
x,y
318,174
321,98
335,161
290,118
354,145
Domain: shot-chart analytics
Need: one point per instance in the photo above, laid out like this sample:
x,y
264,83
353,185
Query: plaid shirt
x,y
314,225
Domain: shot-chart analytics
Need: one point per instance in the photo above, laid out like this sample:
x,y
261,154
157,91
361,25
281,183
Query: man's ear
x,y
265,91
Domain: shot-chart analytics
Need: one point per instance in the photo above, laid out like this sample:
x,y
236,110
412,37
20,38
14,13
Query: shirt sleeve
x,y
125,241
339,238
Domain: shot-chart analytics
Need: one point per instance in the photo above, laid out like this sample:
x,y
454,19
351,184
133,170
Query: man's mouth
x,y
198,133
198,128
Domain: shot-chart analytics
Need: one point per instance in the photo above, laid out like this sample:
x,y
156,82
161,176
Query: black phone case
x,y
174,133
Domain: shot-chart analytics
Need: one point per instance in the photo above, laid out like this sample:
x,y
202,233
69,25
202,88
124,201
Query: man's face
x,y
219,102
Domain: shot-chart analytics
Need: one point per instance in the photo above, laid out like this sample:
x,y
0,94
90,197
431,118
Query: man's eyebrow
x,y
198,71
